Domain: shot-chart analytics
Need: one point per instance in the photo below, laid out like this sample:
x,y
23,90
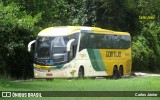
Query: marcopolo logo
x,y
6,94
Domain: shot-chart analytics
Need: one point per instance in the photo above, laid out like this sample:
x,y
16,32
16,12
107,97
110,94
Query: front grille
x,y
47,61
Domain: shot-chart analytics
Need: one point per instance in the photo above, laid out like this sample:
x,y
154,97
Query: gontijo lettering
x,y
113,54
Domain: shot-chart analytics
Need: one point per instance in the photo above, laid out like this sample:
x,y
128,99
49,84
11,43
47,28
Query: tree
x,y
17,29
53,12
150,32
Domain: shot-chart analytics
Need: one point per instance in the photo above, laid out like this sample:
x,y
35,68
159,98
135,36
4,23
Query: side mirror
x,y
69,44
30,44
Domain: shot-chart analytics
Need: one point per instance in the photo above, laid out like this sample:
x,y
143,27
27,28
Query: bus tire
x,y
49,79
81,73
115,73
121,71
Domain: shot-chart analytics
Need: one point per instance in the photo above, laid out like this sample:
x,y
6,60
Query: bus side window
x,y
128,40
92,43
122,42
73,48
107,41
117,42
84,41
125,42
71,53
111,41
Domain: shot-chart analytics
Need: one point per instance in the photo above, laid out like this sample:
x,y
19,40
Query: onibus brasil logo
x,y
21,94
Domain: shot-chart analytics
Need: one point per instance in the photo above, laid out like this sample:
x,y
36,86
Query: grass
x,y
124,84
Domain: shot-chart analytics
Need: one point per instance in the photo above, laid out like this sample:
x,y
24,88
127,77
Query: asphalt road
x,y
145,74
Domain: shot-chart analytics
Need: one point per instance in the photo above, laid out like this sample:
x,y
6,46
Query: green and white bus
x,y
78,51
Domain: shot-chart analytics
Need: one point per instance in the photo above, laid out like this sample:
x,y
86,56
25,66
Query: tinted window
x,y
74,45
102,41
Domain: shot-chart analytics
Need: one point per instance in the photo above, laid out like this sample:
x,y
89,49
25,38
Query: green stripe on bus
x,y
96,59
99,59
58,66
93,59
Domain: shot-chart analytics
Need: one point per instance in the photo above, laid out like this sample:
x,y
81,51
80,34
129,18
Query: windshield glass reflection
x,y
51,50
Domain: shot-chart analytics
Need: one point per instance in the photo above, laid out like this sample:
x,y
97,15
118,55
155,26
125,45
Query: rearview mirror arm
x,y
29,45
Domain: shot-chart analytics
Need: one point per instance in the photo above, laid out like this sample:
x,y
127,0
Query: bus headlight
x,y
36,74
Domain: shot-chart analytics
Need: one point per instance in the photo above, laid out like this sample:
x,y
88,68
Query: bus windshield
x,y
51,50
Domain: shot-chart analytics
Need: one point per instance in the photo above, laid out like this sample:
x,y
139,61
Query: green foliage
x,y
54,12
141,53
21,20
117,15
17,29
146,49
146,43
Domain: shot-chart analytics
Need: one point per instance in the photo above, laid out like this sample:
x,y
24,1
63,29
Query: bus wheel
x,y
120,71
115,73
81,73
49,79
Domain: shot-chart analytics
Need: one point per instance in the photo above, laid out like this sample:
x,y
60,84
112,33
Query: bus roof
x,y
67,30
